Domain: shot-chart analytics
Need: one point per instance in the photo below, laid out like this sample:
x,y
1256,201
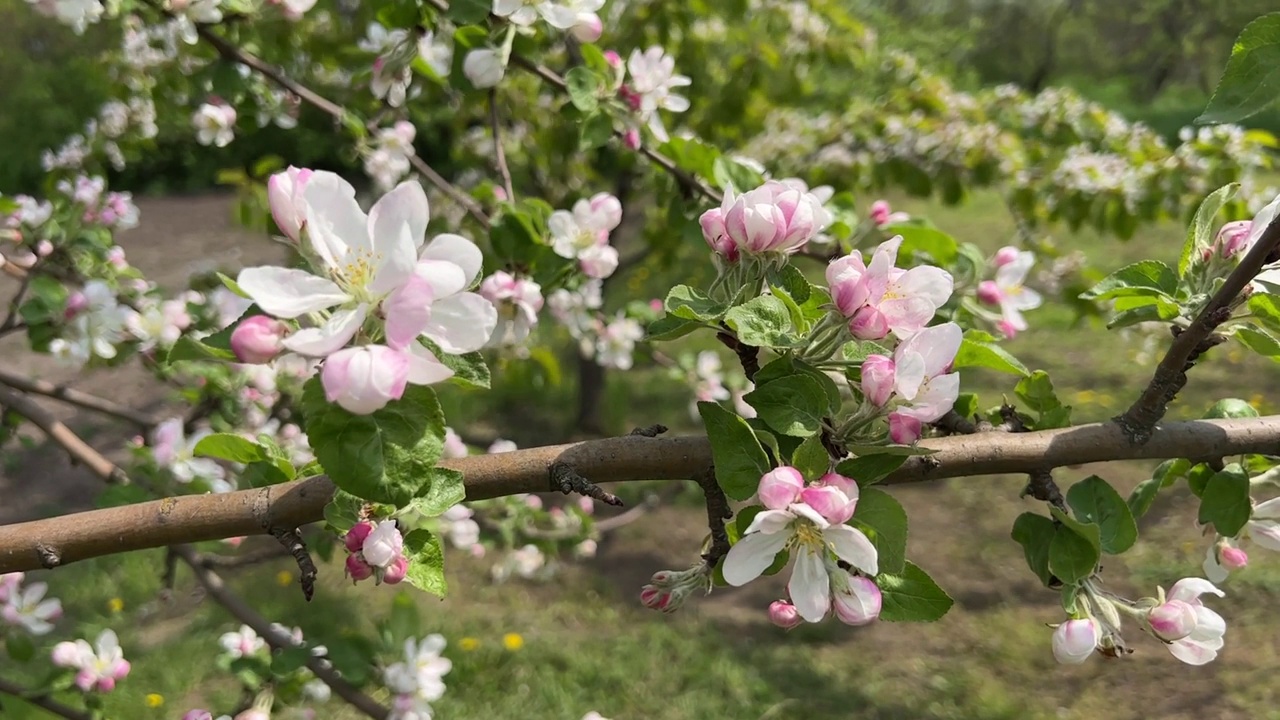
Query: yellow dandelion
x,y
115,605
467,644
512,641
283,578
1256,401
154,700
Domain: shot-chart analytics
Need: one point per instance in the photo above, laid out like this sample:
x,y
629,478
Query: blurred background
x,y
578,640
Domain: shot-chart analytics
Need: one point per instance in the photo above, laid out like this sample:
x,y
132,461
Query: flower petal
x,y
1192,653
408,310
769,522
424,367
289,292
336,225
462,323
457,250
1190,590
752,555
810,587
853,547
330,337
445,277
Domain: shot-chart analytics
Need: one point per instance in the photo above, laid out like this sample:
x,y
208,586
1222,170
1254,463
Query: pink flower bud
x,y
364,379
589,28
106,684
1172,621
829,502
1006,255
1233,558
66,654
784,614
533,501
880,212
779,488
713,231
76,304
858,604
631,138
841,483
1232,237
198,715
613,58
44,248
358,569
254,714
662,577
354,539
500,194
258,339
654,598
1008,329
655,305
115,256
989,293
1074,640
284,195
383,545
868,323
903,429
395,573
877,379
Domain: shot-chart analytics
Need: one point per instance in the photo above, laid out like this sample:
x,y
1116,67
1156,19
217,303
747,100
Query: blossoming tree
x,y
315,383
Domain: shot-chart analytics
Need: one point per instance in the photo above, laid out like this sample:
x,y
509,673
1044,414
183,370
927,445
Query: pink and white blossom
x,y
883,216
215,124
1202,643
1075,640
855,599
454,447
174,451
518,301
421,673
918,374
242,643
258,339
383,544
773,218
27,608
99,667
583,234
784,615
652,79
617,342
484,67
881,298
284,195
1010,293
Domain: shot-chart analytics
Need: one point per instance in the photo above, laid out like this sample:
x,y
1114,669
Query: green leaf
x,y
19,646
596,130
1072,557
583,86
445,488
1200,234
762,322
226,446
881,517
343,511
1251,81
469,12
870,469
930,241
911,596
1145,493
1036,390
903,450
979,349
786,366
793,282
289,660
690,304
1147,277
1095,501
670,327
469,369
811,458
1088,531
1230,408
1035,534
793,405
233,286
731,174
1266,309
1259,341
382,457
1225,503
739,459
188,348
426,562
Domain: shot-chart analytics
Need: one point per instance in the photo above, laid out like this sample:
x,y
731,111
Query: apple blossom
x,y
437,52
587,226
9,585
1075,640
784,615
355,537
1009,292
812,540
1171,620
421,673
295,9
284,195
215,124
1221,558
880,298
95,331
174,451
780,487
518,301
774,217
587,28
242,643
598,261
357,569
669,589
652,79
882,214
484,67
454,447
617,342
78,14
396,571
28,609
258,339
380,41
99,666
856,600
158,324
364,379
391,84
383,544
1202,643
457,524
904,429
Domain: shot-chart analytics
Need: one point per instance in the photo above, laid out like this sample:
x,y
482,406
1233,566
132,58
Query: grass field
x,y
587,644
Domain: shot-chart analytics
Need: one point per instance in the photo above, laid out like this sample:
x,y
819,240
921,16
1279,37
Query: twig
x,y
500,155
232,562
217,589
1040,485
649,430
81,399
195,518
651,501
1171,374
291,541
748,355
42,701
11,319
718,512
78,449
568,480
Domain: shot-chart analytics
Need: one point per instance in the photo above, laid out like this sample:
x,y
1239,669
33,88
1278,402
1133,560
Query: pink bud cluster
x,y
919,374
668,589
880,298
776,217
376,551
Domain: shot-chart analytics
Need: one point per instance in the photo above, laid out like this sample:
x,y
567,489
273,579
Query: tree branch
x,y
81,399
499,155
194,518
78,449
1171,374
44,702
212,583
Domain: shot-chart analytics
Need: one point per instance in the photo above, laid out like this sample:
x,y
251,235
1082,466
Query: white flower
x,y
587,226
518,301
390,84
617,342
652,79
436,52
100,666
176,452
422,672
1204,642
78,14
27,608
379,40
215,124
484,67
241,643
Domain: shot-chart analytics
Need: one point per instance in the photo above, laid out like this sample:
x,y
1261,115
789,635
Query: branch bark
x,y
217,589
80,399
78,449
193,518
44,702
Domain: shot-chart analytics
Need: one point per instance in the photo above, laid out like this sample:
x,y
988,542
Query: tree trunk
x,y
591,380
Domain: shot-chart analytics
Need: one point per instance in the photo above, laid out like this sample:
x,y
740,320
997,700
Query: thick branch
x,y
78,449
44,702
241,610
1171,374
193,518
81,399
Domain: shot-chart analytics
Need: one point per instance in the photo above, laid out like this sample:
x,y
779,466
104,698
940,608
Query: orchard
x,y
709,212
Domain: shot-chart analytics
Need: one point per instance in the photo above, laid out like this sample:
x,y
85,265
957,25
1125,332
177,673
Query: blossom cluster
x,y
376,551
418,679
25,606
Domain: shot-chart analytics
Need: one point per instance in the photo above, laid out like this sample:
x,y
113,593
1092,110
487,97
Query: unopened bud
x,y
396,572
1172,621
358,569
779,488
354,539
1233,558
784,614
1074,640
631,139
989,293
1006,255
258,339
589,28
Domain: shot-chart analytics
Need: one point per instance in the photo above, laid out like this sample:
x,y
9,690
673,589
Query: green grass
x,y
588,645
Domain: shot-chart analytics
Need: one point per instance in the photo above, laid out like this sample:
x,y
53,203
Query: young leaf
x,y
690,304
870,469
911,596
1072,556
979,349
881,517
584,88
1035,534
1251,81
811,458
1225,502
426,562
1094,501
739,459
1146,277
1200,234
1259,341
469,369
1145,493
793,405
188,348
226,446
1266,308
670,327
444,490
762,322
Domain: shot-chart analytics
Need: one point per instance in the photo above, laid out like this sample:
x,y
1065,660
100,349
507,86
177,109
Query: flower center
x,y
808,534
358,271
